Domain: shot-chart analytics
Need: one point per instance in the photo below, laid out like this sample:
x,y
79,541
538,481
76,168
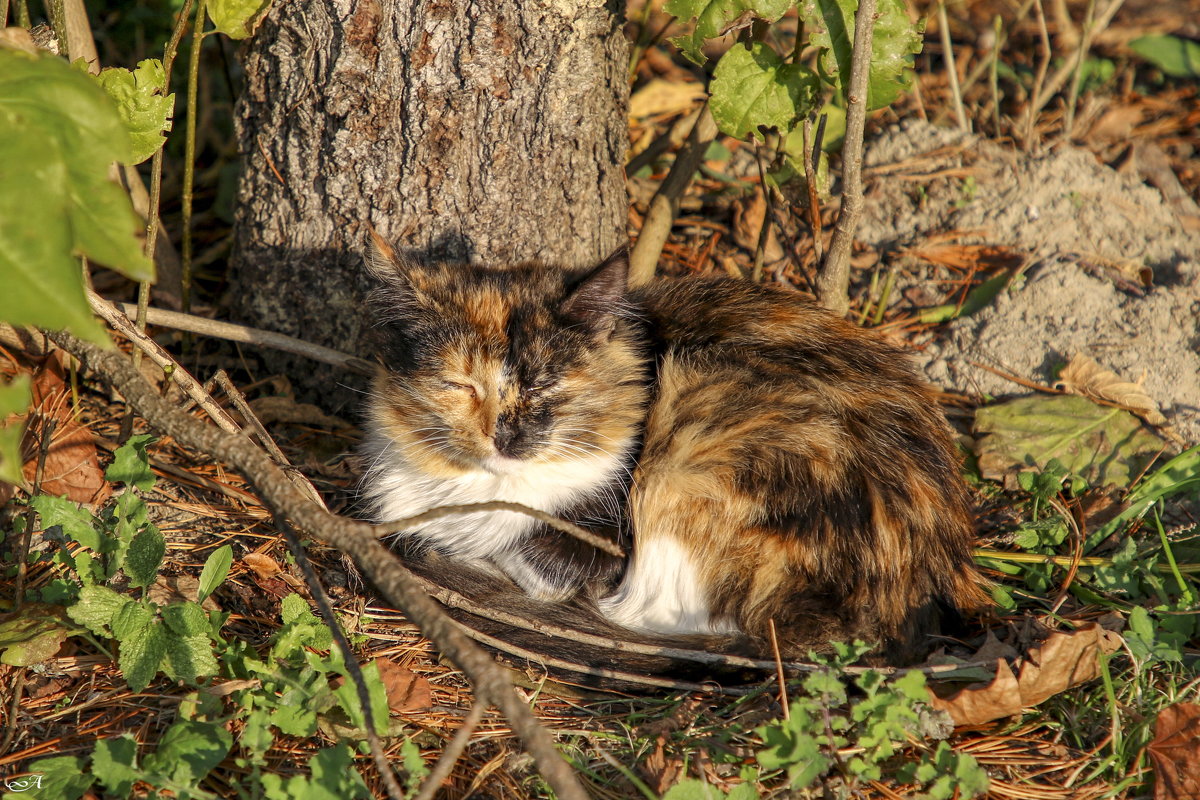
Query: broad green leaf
x,y
61,778
130,619
237,19
693,789
216,568
114,762
33,634
189,750
189,657
714,17
145,554
141,104
14,399
1104,445
142,651
894,40
97,608
131,465
186,618
59,132
77,523
1175,56
753,87
294,608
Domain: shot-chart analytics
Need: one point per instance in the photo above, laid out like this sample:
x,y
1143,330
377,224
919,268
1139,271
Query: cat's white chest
x,y
396,489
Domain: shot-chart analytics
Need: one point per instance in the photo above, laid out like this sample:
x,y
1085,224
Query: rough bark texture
x,y
487,130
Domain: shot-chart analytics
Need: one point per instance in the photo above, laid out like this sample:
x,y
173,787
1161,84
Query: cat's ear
x,y
381,259
598,297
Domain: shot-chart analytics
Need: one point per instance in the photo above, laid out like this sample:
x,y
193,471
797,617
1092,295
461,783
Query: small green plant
x,y
828,730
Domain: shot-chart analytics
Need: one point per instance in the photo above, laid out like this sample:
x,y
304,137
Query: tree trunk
x,y
478,130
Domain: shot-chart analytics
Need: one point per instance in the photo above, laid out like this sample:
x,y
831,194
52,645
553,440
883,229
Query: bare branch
x,y
834,281
665,203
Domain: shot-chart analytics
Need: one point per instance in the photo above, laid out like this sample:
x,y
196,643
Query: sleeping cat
x,y
759,459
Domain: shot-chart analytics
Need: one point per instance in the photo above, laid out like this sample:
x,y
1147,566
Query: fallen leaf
x,y
1175,752
748,216
968,256
660,770
72,465
168,589
407,692
34,634
664,97
262,565
1083,376
1064,660
1103,444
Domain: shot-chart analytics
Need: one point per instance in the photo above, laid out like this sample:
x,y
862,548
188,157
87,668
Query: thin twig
x,y
1065,71
1085,44
356,539
321,598
438,512
189,155
162,358
665,203
1033,107
783,698
834,281
247,335
951,67
452,752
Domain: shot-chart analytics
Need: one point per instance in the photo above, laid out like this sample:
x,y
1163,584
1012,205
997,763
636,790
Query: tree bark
x,y
476,130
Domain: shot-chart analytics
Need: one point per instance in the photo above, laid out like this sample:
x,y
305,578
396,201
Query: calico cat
x,y
760,459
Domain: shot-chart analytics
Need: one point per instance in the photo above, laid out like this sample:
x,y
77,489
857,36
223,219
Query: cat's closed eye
x,y
469,389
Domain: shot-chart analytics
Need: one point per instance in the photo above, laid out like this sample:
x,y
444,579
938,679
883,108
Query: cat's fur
x,y
759,458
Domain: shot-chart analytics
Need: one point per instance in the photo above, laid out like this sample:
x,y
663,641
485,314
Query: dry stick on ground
x,y
665,203
833,283
356,539
1065,71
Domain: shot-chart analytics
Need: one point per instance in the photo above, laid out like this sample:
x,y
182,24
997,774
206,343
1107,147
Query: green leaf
x,y
61,133
131,464
142,650
33,634
1177,57
1104,445
144,110
14,399
753,87
976,300
189,750
189,657
129,619
894,40
693,789
237,19
97,608
61,778
1180,475
714,17
77,523
186,618
145,554
114,762
216,568
295,608
333,778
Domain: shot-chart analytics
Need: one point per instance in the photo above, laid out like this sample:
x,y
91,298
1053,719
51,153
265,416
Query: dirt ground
x,y
1090,237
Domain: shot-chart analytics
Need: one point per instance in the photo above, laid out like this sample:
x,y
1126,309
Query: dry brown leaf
x,y
1175,752
262,565
664,97
407,692
1083,376
661,771
1062,661
748,216
968,256
168,589
72,462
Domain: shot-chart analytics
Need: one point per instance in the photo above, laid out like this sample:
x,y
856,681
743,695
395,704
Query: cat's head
x,y
493,369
